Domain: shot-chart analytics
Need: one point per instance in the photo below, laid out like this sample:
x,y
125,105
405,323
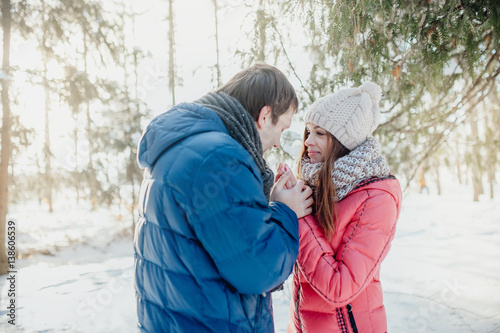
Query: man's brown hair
x,y
262,85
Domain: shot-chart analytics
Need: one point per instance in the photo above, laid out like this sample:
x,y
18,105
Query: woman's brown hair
x,y
325,205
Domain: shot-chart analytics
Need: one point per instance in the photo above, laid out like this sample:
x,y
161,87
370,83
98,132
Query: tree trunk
x,y
438,181
217,65
261,21
171,41
491,148
92,175
5,135
46,148
491,180
476,158
91,171
494,139
457,159
77,182
133,153
130,173
39,190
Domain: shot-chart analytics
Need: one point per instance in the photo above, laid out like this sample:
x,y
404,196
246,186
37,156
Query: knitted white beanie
x,y
350,115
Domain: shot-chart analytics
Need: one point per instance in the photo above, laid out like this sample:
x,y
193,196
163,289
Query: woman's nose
x,y
309,142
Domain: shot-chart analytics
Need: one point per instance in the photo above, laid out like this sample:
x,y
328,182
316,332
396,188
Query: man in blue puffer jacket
x,y
214,235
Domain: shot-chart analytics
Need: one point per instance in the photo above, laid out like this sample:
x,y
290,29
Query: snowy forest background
x,y
80,80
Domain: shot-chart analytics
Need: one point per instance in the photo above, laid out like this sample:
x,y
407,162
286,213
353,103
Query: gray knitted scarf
x,y
241,127
365,161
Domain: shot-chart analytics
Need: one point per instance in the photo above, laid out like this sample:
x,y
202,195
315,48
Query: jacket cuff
x,y
285,216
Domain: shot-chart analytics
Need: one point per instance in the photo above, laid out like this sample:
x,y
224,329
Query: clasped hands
x,y
292,192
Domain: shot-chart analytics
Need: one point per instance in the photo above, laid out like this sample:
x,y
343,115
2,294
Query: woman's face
x,y
318,143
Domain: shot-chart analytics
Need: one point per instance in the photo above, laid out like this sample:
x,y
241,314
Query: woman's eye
x,y
320,133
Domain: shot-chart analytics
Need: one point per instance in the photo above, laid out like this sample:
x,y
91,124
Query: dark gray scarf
x,y
241,127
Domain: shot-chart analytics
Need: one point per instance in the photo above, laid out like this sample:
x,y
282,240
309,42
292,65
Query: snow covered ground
x,y
441,275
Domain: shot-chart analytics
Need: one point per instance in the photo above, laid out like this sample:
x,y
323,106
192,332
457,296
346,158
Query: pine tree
x,y
432,58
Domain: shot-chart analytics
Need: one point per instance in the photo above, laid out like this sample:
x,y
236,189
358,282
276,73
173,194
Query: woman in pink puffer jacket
x,y
336,285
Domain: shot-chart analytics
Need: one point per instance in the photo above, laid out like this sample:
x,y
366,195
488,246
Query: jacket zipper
x,y
341,320
351,318
260,300
297,312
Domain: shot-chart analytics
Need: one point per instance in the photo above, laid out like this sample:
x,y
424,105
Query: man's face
x,y
270,134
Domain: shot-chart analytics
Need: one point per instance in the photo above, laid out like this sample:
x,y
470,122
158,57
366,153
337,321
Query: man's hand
x,y
298,198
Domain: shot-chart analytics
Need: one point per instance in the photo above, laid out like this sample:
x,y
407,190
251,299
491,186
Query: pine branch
x,y
453,126
273,24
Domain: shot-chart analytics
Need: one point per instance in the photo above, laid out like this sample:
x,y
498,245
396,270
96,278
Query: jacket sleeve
x,y
340,277
254,245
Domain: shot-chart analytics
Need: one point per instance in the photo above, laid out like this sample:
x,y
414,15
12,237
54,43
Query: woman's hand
x,y
281,170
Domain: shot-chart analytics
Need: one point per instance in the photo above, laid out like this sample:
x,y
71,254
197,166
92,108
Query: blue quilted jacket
x,y
208,247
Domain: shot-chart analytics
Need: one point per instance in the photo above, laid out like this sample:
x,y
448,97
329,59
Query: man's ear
x,y
265,116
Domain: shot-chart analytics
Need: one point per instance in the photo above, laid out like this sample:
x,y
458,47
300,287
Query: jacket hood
x,y
170,127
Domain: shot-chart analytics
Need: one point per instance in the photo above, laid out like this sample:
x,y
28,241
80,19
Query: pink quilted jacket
x,y
336,285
